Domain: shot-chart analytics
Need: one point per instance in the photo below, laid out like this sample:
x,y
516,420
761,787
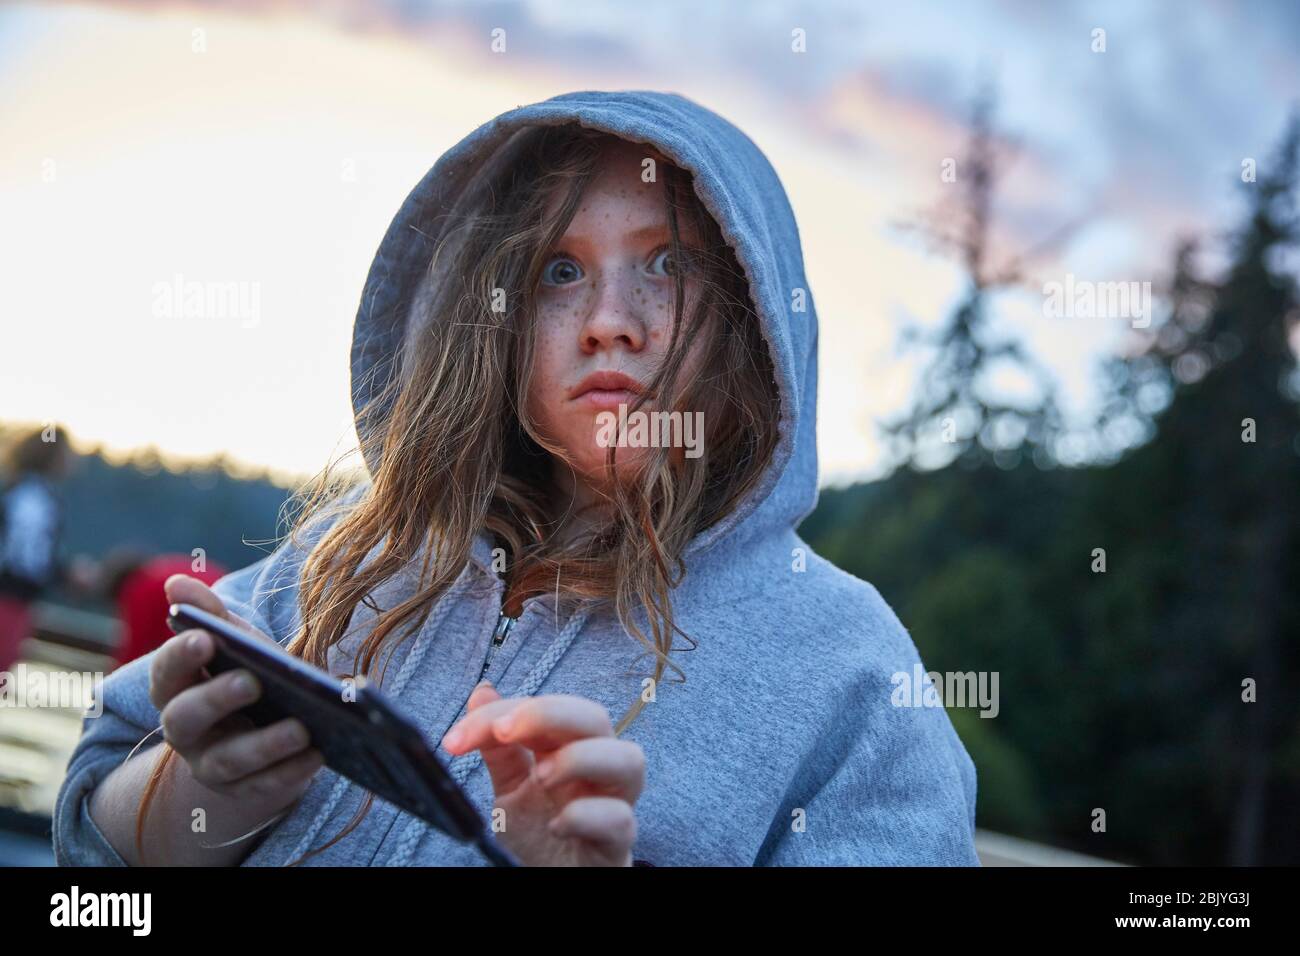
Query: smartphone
x,y
361,735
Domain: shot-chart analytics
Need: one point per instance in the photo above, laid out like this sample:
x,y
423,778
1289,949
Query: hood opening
x,y
736,185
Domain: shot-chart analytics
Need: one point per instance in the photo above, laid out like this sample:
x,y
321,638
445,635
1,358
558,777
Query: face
x,y
605,314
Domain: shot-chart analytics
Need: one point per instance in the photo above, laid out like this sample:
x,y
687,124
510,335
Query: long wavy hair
x,y
458,455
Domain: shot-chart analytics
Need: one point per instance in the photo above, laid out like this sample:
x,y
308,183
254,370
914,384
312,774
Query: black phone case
x,y
363,738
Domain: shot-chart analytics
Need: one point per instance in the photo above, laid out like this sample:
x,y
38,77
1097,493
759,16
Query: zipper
x,y
504,624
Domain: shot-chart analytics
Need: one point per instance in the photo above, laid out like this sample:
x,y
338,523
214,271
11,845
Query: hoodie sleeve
x,y
902,795
887,784
264,594
107,736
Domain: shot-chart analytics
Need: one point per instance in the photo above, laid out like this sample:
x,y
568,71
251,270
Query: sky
x,y
264,147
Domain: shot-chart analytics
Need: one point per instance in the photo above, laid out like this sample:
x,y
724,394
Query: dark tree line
x,y
1161,690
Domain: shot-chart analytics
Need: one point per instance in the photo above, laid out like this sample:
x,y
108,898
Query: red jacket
x,y
142,603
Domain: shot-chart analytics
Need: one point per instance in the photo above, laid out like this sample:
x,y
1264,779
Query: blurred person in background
x,y
31,517
133,582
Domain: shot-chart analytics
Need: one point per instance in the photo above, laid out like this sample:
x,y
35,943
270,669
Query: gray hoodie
x,y
785,744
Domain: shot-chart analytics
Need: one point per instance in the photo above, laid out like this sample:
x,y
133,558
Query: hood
x,y
739,188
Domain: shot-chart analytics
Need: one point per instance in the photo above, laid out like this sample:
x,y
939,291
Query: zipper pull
x,y
504,624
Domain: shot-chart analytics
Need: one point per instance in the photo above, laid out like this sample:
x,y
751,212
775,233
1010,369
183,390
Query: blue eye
x,y
561,271
663,264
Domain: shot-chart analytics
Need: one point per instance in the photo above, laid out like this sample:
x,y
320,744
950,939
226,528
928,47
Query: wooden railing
x,y
998,849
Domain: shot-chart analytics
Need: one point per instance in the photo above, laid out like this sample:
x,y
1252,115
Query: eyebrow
x,y
650,231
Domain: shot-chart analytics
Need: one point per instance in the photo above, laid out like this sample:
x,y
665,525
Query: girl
x,y
610,627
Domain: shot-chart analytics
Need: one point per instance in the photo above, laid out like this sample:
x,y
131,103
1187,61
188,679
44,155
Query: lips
x,y
606,390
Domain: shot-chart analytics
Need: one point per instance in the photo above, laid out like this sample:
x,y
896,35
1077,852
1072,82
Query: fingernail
x,y
452,739
195,641
244,686
545,769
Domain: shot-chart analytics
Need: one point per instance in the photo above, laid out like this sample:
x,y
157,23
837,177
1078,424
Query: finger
x,y
193,712
483,693
241,755
288,779
606,822
177,665
551,721
508,764
240,622
183,589
612,766
474,730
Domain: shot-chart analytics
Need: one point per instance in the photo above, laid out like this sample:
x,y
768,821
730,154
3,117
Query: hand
x,y
269,767
565,782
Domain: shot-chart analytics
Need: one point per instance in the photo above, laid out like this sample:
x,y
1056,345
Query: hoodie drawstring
x,y
409,667
464,765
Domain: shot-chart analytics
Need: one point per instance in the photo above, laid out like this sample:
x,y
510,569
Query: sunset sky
x,y
275,156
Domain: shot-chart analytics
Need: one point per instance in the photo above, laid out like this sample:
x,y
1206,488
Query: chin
x,y
587,458
591,466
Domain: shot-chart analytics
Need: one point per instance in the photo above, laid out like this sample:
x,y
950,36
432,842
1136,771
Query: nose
x,y
614,320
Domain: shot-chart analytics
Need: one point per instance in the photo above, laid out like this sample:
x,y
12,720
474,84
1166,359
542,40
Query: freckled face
x,y
605,304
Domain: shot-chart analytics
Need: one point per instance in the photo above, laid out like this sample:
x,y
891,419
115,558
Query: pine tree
x,y
954,405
